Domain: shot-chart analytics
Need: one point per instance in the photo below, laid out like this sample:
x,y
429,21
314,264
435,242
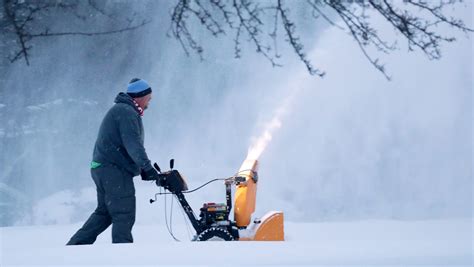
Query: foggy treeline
x,y
50,110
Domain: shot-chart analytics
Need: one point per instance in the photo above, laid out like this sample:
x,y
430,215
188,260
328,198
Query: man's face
x,y
144,101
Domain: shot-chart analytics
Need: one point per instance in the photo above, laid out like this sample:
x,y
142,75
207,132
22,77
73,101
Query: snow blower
x,y
214,221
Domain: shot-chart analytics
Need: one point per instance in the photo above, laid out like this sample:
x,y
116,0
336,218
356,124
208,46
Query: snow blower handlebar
x,y
171,180
174,182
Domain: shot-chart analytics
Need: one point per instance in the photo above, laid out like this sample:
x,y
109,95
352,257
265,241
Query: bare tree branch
x,y
295,41
251,24
46,33
22,19
249,18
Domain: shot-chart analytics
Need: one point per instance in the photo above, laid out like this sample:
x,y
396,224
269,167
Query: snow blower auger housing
x,y
214,222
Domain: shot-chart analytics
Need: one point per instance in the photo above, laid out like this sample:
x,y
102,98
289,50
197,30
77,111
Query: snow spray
x,y
245,194
260,143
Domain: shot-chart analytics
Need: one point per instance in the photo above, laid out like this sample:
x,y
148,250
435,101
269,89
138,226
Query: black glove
x,y
149,175
161,180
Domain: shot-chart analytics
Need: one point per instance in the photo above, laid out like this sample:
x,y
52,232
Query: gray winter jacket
x,y
121,137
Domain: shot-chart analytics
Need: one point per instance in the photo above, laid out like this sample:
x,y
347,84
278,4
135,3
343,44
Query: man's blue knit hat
x,y
138,88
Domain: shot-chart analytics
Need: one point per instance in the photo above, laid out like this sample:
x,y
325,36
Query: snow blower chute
x,y
214,222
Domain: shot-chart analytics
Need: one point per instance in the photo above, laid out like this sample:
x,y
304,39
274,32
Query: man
x,y
118,156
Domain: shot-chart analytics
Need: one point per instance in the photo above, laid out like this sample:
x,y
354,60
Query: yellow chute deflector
x,y
271,226
246,193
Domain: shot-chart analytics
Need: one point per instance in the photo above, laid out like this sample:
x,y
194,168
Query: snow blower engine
x,y
214,222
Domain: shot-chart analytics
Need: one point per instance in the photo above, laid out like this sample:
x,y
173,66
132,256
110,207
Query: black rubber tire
x,y
216,233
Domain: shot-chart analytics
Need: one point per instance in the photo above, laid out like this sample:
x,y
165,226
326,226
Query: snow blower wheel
x,y
215,234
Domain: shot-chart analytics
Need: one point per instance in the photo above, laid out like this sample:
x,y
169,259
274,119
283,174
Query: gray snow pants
x,y
115,205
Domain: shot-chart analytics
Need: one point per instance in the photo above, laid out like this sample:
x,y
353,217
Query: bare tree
x,y
418,22
22,21
261,22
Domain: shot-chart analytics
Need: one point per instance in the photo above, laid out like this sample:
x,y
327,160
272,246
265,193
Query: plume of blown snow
x,y
262,141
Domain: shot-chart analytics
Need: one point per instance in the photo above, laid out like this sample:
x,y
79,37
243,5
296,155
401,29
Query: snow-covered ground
x,y
373,242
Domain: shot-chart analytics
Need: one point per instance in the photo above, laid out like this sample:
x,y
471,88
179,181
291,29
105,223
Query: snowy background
x,y
355,153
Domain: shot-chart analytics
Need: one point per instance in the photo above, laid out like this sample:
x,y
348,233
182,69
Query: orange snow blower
x,y
214,222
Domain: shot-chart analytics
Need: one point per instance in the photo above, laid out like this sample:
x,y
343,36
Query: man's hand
x,y
149,175
161,180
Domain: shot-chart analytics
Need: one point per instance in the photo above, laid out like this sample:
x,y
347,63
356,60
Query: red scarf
x,y
137,106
